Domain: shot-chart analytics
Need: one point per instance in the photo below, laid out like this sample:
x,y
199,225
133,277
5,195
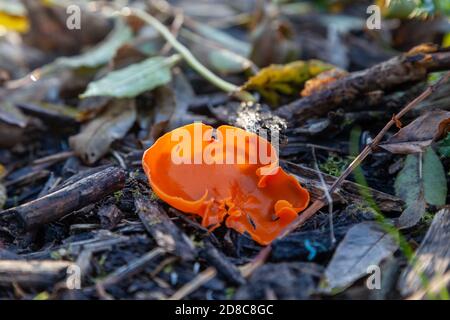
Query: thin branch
x,y
196,283
190,59
258,261
409,67
175,29
370,147
321,202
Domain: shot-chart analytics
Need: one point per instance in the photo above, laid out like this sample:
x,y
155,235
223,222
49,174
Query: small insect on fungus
x,y
225,174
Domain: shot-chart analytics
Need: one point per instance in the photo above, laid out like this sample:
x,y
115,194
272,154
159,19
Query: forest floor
x,y
80,220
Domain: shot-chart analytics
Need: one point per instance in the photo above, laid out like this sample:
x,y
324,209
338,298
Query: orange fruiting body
x,y
225,174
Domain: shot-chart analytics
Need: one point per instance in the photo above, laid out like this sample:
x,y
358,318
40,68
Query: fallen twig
x,y
349,192
166,234
224,267
319,203
68,199
409,67
32,273
129,270
197,282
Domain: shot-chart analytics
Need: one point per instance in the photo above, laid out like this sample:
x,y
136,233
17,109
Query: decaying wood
x,y
130,269
321,202
224,267
349,192
68,199
432,258
32,273
104,241
410,67
163,230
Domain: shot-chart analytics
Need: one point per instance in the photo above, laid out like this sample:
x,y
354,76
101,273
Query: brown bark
x,y
68,199
410,67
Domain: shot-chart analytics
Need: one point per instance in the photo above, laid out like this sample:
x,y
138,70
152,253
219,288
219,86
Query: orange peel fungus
x,y
225,174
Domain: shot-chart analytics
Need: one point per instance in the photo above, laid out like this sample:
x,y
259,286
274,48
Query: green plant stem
x,y
190,59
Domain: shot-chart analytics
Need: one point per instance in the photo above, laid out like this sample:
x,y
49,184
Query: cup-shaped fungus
x,y
225,174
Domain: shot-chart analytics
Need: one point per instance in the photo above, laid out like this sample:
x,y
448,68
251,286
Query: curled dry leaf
x,y
420,133
97,136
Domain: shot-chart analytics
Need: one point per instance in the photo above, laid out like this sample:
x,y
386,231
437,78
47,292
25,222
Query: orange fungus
x,y
225,174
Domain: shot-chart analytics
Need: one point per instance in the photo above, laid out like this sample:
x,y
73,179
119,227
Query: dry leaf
x,y
48,30
284,79
97,136
365,244
420,133
273,41
432,258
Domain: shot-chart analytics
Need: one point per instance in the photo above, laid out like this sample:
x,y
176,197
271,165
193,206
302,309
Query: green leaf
x,y
408,9
42,296
225,61
432,181
102,53
224,39
444,147
398,9
215,56
133,80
